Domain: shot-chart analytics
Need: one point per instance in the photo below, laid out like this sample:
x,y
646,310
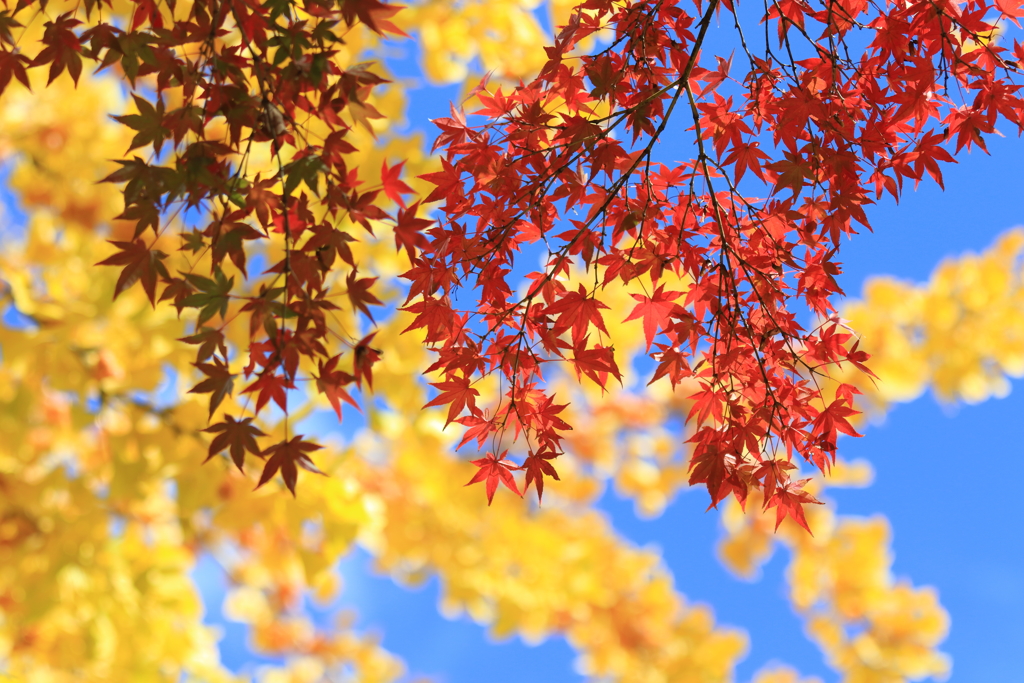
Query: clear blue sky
x,y
956,527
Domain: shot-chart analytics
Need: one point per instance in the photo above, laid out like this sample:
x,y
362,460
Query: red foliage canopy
x,y
844,100
824,132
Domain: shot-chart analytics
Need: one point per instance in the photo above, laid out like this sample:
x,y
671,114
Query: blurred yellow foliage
x,y
871,627
961,333
781,674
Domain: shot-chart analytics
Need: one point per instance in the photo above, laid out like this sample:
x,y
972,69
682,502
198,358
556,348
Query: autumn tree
x,y
270,245
827,119
836,129
256,109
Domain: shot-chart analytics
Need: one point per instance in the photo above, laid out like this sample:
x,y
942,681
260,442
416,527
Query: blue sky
x,y
944,479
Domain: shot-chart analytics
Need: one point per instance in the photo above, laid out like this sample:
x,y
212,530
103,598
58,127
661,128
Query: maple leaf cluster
x,y
722,252
847,100
281,66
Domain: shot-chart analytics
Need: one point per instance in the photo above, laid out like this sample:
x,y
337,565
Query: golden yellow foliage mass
x,y
959,334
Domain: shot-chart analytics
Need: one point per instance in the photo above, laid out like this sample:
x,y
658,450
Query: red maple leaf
x,y
331,383
271,386
596,363
209,340
478,428
373,13
359,293
672,363
453,131
147,10
495,469
746,156
263,200
545,416
238,436
708,467
858,358
537,466
448,182
434,314
13,64
655,311
363,358
219,382
394,188
1011,8
833,420
409,231
789,501
773,473
287,457
577,310
62,49
458,392
140,263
